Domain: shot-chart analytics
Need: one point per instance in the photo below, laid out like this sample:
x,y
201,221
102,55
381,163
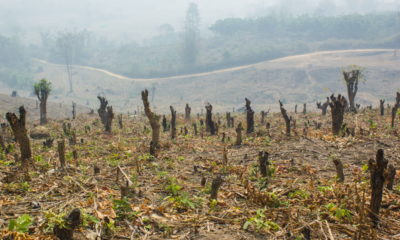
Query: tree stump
x,y
106,114
263,163
187,112
249,117
154,123
338,108
286,118
61,152
382,107
18,126
73,110
390,176
120,122
377,169
215,185
339,170
239,130
351,78
210,125
71,222
395,108
323,107
173,122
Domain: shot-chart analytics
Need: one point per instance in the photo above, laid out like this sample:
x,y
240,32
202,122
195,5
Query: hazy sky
x,y
139,19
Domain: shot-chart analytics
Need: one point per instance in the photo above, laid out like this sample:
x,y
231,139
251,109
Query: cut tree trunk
x,y
286,118
249,117
323,107
395,108
382,107
351,78
339,170
106,114
210,125
239,130
377,170
154,123
187,112
173,122
263,163
66,231
18,126
215,185
61,153
338,108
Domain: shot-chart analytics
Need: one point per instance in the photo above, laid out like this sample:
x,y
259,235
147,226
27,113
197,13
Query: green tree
x,y
42,90
192,22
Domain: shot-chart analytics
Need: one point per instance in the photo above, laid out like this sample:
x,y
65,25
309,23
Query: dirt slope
x,y
294,79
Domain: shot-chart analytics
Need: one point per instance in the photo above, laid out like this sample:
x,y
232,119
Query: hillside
x,y
55,110
296,79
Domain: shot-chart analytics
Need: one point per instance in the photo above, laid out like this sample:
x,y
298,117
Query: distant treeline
x,y
232,42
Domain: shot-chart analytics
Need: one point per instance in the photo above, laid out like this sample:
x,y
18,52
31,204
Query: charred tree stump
x,y
154,123
106,114
187,112
382,107
215,185
195,129
262,117
210,125
66,232
249,117
377,170
338,108
120,122
286,118
18,126
263,163
239,130
339,170
391,174
351,78
72,138
323,107
228,119
73,110
395,108
61,152
173,122
164,124
42,90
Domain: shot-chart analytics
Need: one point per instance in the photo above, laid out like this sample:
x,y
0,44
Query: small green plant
x,y
52,219
22,187
172,187
372,124
325,189
114,160
300,194
21,224
89,220
123,209
146,157
260,223
339,213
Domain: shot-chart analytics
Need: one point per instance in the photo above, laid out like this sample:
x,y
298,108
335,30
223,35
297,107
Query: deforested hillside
x,y
297,79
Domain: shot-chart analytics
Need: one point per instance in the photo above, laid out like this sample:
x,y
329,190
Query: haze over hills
x,y
295,80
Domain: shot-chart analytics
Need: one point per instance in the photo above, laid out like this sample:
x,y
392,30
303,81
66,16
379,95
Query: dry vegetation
x,y
271,186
